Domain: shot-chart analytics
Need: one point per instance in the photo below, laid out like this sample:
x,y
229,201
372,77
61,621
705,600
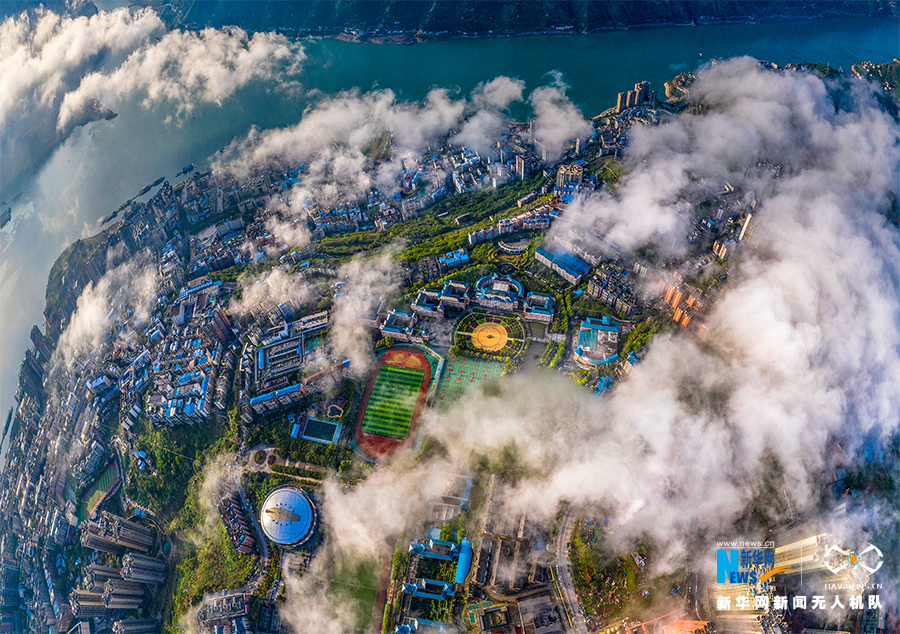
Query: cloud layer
x,y
58,69
803,343
802,351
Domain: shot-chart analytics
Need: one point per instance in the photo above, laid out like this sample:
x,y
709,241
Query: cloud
x,y
123,298
183,68
263,292
339,139
556,119
368,282
483,128
60,72
498,93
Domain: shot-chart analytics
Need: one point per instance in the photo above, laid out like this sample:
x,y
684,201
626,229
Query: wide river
x,y
102,165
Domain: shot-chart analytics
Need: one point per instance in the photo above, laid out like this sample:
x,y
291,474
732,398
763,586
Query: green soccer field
x,y
392,402
96,492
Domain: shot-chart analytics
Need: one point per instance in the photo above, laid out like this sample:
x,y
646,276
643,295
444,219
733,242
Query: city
x,y
250,352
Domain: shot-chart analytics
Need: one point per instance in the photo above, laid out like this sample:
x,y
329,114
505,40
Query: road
x,y
564,576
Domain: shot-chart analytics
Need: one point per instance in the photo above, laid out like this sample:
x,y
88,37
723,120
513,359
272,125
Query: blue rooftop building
x,y
598,342
569,266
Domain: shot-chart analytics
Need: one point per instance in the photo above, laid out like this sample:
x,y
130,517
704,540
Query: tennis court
x,y
461,373
390,407
321,431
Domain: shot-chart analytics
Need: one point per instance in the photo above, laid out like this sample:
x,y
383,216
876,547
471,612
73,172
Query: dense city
x,y
223,387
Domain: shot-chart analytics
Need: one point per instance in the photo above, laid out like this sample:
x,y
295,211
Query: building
x,y
499,292
598,342
135,626
400,325
428,303
137,567
613,288
452,260
288,517
112,533
96,576
685,301
85,604
542,614
235,519
569,175
539,307
493,619
483,235
570,267
640,96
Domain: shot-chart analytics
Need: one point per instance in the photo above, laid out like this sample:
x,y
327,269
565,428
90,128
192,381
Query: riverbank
x,y
411,22
418,37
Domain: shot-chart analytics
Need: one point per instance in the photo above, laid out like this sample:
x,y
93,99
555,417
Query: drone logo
x,y
852,558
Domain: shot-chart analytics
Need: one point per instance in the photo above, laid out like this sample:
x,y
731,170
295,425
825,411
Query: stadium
x,y
288,517
392,402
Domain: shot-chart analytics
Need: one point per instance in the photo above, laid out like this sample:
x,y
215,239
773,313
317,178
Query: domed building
x,y
288,517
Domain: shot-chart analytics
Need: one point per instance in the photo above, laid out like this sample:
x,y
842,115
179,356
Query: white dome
x,y
287,516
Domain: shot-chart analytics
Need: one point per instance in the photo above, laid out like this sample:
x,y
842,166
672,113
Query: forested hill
x,y
394,19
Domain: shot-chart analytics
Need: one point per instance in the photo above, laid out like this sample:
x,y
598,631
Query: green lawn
x,y
353,587
390,407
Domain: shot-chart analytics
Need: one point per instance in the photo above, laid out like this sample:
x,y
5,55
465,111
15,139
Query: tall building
x,y
112,533
135,626
137,567
520,167
642,93
569,174
86,604
42,345
96,576
123,595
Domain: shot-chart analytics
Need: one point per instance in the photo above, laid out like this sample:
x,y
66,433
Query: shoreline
x,y
410,37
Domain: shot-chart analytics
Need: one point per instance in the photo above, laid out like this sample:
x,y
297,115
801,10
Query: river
x,y
105,163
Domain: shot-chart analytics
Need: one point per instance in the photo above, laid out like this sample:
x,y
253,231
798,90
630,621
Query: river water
x,y
105,163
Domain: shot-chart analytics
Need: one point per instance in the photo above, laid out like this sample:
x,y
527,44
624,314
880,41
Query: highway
x,y
564,576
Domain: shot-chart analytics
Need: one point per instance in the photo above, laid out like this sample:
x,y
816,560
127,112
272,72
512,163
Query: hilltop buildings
x,y
598,342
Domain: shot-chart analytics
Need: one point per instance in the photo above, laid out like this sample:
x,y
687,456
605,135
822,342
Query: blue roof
x,y
262,398
464,563
567,261
604,323
287,390
295,431
603,386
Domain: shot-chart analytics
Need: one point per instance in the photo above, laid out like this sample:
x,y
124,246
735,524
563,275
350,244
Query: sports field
x,y
97,491
461,373
392,402
393,399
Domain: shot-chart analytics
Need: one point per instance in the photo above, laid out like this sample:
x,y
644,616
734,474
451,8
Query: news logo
x,y
744,565
837,559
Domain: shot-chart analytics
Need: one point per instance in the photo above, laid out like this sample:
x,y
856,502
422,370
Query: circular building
x,y
287,517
